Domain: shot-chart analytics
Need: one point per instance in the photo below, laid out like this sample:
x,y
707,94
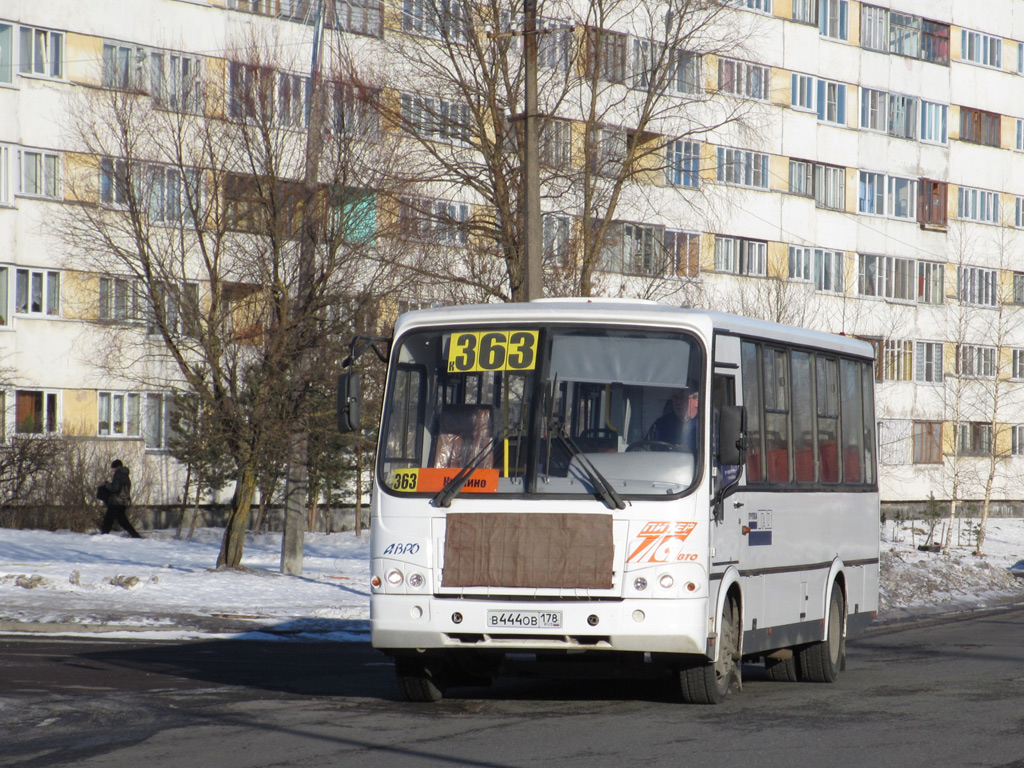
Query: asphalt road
x,y
942,693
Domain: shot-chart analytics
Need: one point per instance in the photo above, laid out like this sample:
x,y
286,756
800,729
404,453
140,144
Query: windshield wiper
x,y
601,483
453,487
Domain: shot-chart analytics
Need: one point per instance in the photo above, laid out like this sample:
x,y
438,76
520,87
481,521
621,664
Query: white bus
x,y
676,490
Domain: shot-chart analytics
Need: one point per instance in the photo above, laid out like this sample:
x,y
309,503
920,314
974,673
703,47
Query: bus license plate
x,y
524,619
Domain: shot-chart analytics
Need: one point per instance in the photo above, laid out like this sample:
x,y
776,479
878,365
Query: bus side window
x,y
776,414
752,402
826,385
853,421
803,418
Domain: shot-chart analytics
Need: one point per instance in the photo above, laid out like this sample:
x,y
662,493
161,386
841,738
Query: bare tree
x,y
220,262
624,103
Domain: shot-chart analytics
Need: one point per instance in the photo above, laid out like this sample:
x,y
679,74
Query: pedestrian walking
x,y
116,493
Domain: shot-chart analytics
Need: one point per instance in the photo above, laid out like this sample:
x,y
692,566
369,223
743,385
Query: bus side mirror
x,y
732,436
350,401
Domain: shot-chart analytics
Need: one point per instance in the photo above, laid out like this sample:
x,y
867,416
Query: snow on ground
x,y
916,582
160,586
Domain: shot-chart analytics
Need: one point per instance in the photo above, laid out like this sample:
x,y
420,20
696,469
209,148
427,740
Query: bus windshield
x,y
544,411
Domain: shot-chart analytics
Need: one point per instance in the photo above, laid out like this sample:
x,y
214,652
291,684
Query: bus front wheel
x,y
419,681
709,682
821,662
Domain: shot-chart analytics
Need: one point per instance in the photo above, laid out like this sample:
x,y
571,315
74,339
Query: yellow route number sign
x,y
471,351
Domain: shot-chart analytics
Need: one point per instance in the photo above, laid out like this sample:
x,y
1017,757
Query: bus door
x,y
726,531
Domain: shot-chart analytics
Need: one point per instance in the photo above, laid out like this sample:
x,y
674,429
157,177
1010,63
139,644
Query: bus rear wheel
x,y
419,681
709,682
821,662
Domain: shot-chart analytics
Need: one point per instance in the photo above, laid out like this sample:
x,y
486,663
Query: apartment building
x,y
871,188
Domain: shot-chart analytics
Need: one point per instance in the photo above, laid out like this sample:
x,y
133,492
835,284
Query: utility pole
x,y
297,482
533,273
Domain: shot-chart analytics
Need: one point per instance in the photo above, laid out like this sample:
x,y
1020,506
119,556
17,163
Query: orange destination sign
x,y
432,480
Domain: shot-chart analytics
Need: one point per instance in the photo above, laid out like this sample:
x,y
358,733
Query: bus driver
x,y
679,425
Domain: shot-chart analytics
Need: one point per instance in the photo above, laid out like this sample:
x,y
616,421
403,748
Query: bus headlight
x,y
416,580
666,581
395,577
639,583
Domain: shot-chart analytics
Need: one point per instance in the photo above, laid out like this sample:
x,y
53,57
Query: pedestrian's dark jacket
x,y
119,481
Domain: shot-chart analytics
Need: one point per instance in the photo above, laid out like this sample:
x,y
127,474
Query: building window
x,y
444,19
974,361
120,299
828,270
5,316
113,182
119,414
1019,144
801,178
361,17
933,122
555,142
351,113
830,187
6,53
886,277
742,78
1017,369
903,116
975,439
871,193
40,174
1018,212
740,256
633,249
802,92
929,362
436,119
873,111
557,239
978,205
800,263
434,220
683,168
739,166
293,92
980,48
931,203
41,52
175,81
901,198
805,11
555,45
6,192
874,28
935,42
764,6
831,102
905,35
930,277
609,156
1017,440
977,286
607,51
35,412
36,292
156,416
124,67
1018,287
675,70
897,360
682,251
927,442
833,19
979,127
